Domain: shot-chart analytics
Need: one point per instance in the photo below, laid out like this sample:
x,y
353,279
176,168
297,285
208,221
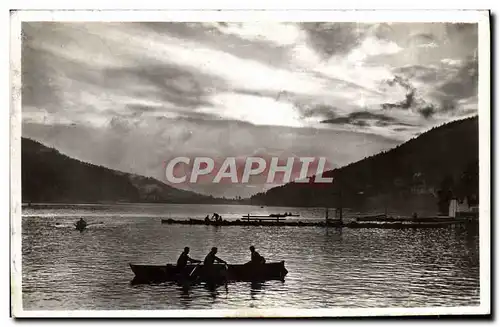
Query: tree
x,y
469,183
445,194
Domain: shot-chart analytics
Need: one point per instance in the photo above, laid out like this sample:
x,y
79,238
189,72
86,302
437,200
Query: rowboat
x,y
273,215
80,226
218,273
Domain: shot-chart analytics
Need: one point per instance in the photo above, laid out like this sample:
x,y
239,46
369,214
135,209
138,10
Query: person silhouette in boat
x,y
212,274
184,258
211,257
255,257
216,217
81,224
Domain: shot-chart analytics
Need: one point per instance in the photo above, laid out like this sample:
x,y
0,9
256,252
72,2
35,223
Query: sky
x,y
131,96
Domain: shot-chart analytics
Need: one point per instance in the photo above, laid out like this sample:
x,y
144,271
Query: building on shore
x,y
460,208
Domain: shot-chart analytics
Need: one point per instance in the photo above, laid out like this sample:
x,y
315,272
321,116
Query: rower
x,y
211,257
81,223
256,257
184,258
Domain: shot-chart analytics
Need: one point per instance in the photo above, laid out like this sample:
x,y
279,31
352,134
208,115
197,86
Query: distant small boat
x,y
81,225
275,215
286,214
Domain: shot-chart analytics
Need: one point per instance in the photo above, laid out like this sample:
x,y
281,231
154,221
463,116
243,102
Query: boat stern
x,y
284,271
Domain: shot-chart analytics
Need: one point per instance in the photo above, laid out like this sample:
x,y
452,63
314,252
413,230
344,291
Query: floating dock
x,y
393,224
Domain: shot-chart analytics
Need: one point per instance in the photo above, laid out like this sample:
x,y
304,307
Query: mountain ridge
x,y
49,176
443,160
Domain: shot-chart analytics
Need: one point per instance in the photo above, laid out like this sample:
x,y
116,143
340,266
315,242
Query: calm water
x,y
67,270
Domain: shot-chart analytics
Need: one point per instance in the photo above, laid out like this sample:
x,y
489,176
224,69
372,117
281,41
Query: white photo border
x,y
482,18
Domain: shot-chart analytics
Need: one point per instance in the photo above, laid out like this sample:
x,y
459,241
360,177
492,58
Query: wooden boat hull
x,y
80,228
218,273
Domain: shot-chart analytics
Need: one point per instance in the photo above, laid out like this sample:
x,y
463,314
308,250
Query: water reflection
x,y
328,267
212,291
333,233
255,289
185,295
190,292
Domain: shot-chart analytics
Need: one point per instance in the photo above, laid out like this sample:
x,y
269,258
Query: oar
x,y
192,271
99,223
225,279
87,225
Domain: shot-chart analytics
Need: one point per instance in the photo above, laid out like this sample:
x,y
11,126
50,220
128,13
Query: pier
x,y
394,223
250,222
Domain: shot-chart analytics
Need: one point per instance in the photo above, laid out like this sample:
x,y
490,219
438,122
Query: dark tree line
x,y
464,187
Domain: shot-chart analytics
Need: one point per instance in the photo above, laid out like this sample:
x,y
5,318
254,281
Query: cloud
x,y
330,39
458,80
185,65
176,85
321,110
424,40
38,88
365,118
427,111
464,83
425,75
409,99
257,110
282,34
451,62
227,88
372,47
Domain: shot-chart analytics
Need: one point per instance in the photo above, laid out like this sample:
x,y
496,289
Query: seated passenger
x,y
256,257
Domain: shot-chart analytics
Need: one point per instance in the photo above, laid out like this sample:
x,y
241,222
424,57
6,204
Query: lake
x,y
64,269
